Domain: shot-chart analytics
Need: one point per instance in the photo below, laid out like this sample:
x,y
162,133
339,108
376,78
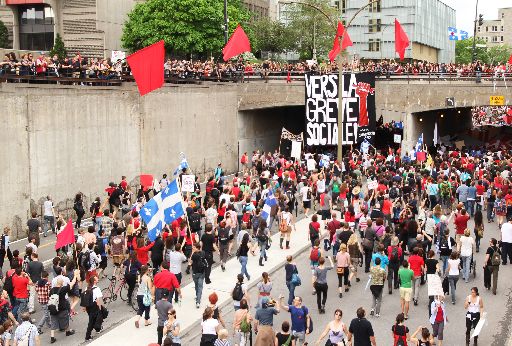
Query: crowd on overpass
x,y
413,223
93,68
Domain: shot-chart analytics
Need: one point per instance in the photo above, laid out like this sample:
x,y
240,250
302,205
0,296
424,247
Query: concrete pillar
x,y
56,7
15,27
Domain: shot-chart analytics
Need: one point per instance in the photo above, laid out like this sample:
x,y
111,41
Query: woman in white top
x,y
465,248
336,330
145,296
453,271
475,306
210,327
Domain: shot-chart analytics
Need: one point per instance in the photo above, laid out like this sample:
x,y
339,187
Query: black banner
x,y
358,105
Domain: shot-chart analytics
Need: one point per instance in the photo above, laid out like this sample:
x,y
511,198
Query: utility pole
x,y
473,53
339,155
225,21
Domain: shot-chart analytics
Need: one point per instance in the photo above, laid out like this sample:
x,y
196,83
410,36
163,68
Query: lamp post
x,y
225,21
473,57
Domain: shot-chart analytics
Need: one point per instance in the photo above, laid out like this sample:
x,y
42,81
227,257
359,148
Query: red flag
x,y
147,67
401,40
146,180
336,45
66,237
421,156
510,60
238,43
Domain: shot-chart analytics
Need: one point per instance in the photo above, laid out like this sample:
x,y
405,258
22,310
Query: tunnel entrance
x,y
455,125
260,129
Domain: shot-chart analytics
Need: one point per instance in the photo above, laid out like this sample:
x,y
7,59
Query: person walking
x,y
208,246
506,241
406,276
43,287
262,235
378,276
92,301
48,216
284,337
223,236
466,249
399,331
199,264
59,315
78,207
286,224
132,267
417,265
343,263
210,327
361,330
301,320
474,305
395,255
290,269
172,328
453,272
479,228
175,257
264,288
20,283
424,340
165,280
355,251
34,270
320,283
264,321
368,244
243,255
26,333
492,265
163,305
145,296
239,292
242,322
336,331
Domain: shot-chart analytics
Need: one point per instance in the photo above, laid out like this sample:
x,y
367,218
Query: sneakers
x,y
415,302
197,305
358,279
372,312
222,267
341,295
39,331
88,339
377,315
52,340
70,332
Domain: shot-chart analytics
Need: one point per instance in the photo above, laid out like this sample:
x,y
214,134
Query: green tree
x,y
464,50
58,48
186,26
4,35
309,28
271,36
499,54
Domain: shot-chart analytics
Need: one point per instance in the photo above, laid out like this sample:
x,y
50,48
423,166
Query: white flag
x,y
435,134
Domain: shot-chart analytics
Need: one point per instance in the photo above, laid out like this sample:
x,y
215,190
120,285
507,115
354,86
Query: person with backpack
x,y
26,333
199,264
302,323
59,308
262,235
223,237
92,303
242,324
492,265
131,268
101,250
500,208
445,192
320,283
343,263
438,318
286,224
239,292
361,330
446,246
314,230
400,331
395,256
89,261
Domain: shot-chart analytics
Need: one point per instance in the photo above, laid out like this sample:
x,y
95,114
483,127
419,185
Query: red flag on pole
x,y
66,237
146,180
510,60
238,43
147,67
401,40
336,45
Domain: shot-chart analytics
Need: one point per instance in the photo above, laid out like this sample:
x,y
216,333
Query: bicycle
x,y
111,292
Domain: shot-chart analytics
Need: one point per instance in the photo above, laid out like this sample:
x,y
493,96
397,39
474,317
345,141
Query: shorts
x,y
117,260
406,293
103,263
437,330
60,321
326,214
306,204
301,336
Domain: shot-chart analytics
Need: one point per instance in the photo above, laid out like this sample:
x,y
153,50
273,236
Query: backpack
x,y
85,260
393,193
496,258
245,326
86,299
223,235
195,221
308,194
238,293
283,225
53,303
445,189
314,255
306,322
8,286
202,264
101,245
2,242
394,255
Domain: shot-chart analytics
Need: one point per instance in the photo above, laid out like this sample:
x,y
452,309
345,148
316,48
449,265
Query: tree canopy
x,y
4,35
186,26
489,55
58,48
271,36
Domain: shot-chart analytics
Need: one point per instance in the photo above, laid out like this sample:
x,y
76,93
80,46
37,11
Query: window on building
x,y
478,29
502,14
374,45
343,5
495,39
375,7
494,28
501,38
36,30
374,25
486,29
502,28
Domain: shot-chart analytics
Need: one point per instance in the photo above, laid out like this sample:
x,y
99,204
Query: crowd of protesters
x,y
413,223
95,68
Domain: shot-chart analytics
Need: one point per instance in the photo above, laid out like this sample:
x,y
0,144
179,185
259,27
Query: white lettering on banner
x,y
322,107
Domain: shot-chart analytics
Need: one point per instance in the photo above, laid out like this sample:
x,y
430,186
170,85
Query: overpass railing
x,y
256,76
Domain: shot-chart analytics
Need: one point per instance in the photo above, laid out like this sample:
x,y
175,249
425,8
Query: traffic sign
x,y
497,100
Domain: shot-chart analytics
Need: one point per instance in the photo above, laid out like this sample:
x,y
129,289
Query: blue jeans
x,y
48,220
466,263
452,280
263,248
444,259
45,318
243,261
291,292
471,207
198,284
97,224
490,216
21,307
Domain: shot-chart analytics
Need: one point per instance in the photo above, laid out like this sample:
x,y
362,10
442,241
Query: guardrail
x,y
257,76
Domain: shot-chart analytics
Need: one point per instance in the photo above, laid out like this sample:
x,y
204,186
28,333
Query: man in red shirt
x,y
20,282
461,223
166,279
386,209
417,265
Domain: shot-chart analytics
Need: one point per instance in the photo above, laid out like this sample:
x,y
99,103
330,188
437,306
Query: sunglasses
x,y
170,313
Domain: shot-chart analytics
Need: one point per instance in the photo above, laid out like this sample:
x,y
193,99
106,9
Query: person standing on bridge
x,y
48,216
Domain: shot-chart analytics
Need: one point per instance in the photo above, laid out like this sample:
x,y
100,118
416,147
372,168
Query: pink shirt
x,y
343,259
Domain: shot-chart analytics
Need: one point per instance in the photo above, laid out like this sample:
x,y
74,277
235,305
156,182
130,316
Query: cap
x,y
264,300
164,293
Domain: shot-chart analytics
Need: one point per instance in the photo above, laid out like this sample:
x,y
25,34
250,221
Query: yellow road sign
x,y
497,100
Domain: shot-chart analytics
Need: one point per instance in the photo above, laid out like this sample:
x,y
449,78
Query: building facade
x,y
91,27
425,21
499,31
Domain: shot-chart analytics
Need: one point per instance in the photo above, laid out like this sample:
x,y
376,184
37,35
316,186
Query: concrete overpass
x,y
60,140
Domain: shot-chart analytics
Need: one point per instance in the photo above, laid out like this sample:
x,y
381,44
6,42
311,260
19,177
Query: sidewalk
x,y
222,284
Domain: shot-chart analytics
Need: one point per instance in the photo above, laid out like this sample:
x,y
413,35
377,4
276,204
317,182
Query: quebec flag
x,y
183,164
162,209
269,203
419,145
455,35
